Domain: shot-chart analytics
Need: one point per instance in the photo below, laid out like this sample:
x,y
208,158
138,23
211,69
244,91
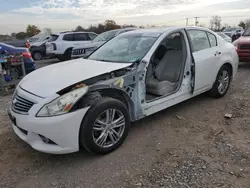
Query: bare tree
x,y
215,23
242,24
47,31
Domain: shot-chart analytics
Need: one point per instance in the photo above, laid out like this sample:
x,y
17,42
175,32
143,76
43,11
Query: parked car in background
x,y
28,61
16,43
224,36
243,46
85,49
91,102
233,32
60,45
38,48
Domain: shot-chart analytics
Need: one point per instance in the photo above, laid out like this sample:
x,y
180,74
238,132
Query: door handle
x,y
217,53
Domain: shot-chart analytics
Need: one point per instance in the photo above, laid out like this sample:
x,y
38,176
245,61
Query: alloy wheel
x,y
108,128
223,82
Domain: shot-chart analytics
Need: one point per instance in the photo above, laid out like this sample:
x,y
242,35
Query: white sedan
x,y
90,102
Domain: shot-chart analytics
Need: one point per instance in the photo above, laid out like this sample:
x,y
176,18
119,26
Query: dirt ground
x,y
186,146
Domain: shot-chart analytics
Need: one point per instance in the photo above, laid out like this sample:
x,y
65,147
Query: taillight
x,y
27,44
26,54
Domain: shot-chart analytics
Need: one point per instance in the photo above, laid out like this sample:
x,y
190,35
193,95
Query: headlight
x,y
62,104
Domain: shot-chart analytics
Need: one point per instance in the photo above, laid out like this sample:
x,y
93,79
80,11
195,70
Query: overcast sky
x,y
62,15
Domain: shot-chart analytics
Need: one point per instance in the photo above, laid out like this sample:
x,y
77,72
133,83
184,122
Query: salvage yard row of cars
x,y
90,102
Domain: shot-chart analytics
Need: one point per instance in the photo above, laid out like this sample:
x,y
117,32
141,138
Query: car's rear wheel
x,y
222,82
105,126
67,54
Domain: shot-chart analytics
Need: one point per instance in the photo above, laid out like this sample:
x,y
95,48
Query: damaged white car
x,y
90,102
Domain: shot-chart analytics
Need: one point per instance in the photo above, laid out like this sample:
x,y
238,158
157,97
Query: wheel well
x,y
68,50
230,68
121,96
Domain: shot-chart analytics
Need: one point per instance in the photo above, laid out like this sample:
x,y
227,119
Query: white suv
x,y
60,45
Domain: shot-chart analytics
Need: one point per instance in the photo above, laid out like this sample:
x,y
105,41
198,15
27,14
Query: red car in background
x,y
242,45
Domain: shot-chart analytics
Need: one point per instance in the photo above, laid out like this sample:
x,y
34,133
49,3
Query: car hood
x,y
37,43
90,45
48,80
243,39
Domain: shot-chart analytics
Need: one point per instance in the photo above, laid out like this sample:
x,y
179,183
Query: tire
x,y
215,91
67,55
37,55
88,136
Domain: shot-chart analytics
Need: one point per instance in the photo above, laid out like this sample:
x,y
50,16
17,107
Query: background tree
x,y
110,25
21,35
215,23
247,23
242,24
13,35
32,30
47,31
79,28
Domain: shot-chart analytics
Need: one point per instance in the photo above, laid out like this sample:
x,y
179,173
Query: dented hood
x,y
53,78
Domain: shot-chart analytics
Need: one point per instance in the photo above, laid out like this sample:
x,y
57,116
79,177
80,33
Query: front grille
x,y
78,51
20,104
245,46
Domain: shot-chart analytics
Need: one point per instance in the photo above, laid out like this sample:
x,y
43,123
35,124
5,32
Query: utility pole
x,y
196,21
186,21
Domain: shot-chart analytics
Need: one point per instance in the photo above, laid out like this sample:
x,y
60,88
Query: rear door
x,y
81,38
205,56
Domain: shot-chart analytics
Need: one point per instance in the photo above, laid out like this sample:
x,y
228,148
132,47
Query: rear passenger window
x,y
212,39
199,40
81,37
68,37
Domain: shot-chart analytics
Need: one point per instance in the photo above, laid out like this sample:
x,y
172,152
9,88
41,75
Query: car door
x,y
183,91
68,42
81,38
204,57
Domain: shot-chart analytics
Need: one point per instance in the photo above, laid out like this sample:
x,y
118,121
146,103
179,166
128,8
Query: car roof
x,y
71,32
161,30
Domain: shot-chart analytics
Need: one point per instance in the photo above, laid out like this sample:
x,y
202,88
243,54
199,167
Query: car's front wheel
x,y
37,55
222,82
105,126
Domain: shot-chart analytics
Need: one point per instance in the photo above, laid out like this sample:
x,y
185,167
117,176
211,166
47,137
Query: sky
x,y
61,15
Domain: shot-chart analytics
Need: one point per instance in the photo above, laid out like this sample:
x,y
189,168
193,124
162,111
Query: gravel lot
x,y
186,146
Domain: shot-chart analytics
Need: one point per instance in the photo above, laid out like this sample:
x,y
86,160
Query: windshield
x,y
105,36
247,32
228,29
126,48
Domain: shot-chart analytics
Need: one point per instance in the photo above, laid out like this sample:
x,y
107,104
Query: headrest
x,y
177,42
160,52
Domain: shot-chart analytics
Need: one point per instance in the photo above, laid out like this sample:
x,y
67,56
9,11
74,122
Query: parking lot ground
x,y
186,146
